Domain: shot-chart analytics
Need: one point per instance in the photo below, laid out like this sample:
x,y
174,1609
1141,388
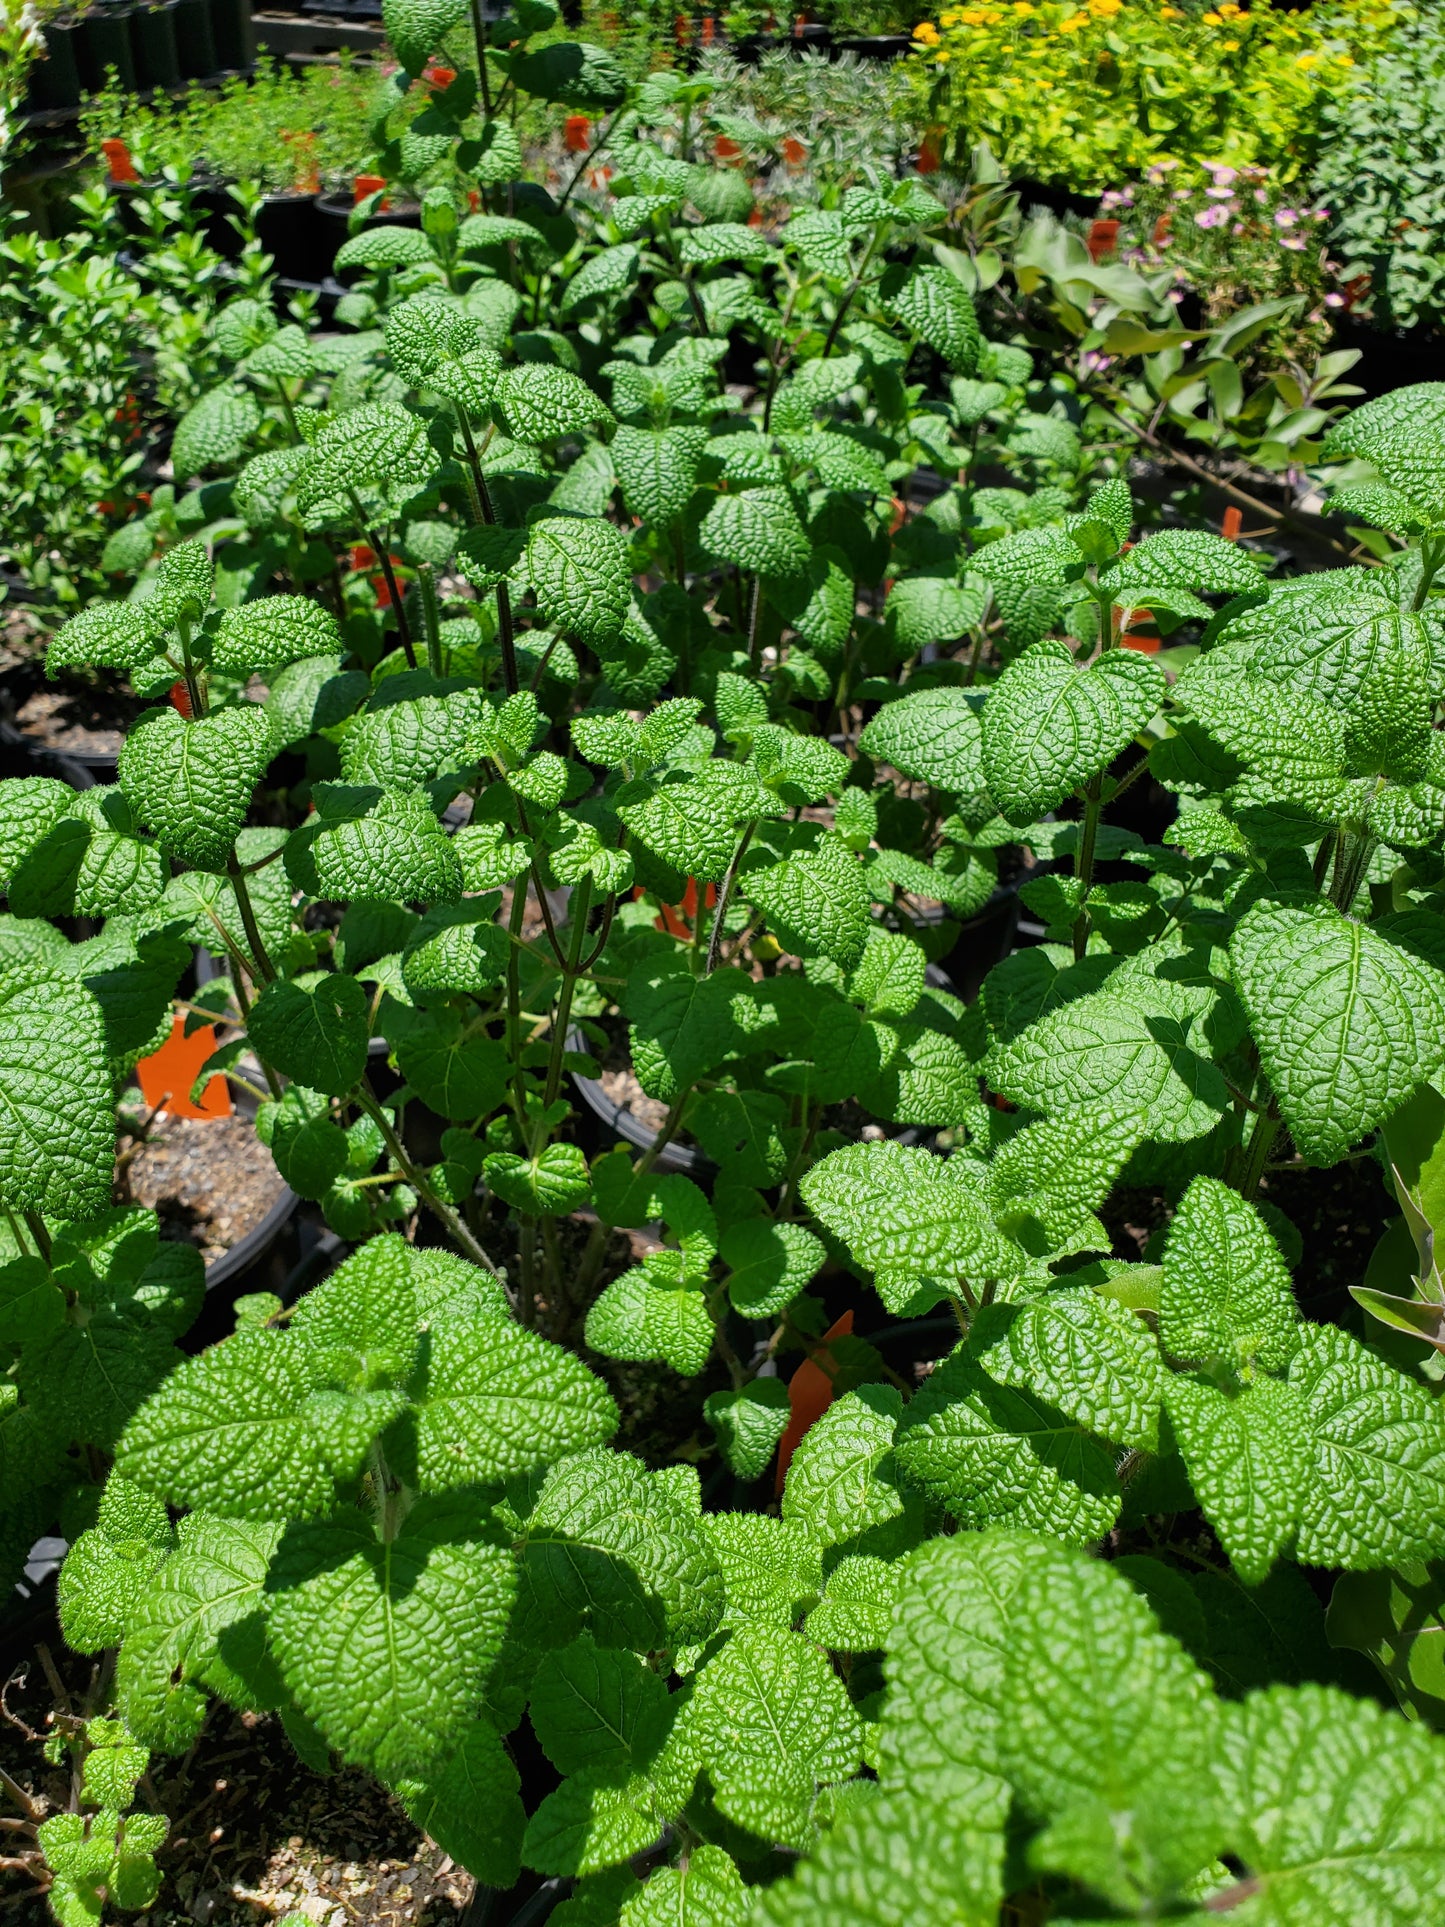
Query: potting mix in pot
x,y
955,1454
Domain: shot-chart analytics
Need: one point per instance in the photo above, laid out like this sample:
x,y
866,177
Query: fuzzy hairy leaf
x,y
191,782
1225,1291
815,901
757,529
264,636
214,431
582,574
1347,1023
841,1480
934,736
1049,726
537,403
1089,1357
934,304
470,1805
57,1124
384,1644
1248,1460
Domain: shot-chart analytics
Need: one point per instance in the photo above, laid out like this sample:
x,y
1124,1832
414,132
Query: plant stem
x,y
1352,858
193,682
432,619
853,286
443,1212
724,898
383,556
1256,1151
755,609
483,505
1432,555
514,995
39,1233
237,879
570,972
1084,862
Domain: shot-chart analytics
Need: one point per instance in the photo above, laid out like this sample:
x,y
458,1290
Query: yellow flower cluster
x,y
1225,78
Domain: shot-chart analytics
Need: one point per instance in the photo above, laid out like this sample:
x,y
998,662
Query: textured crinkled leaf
x,y
1226,1289
757,529
768,1720
1090,1358
594,1708
267,635
57,1124
1402,434
690,821
214,431
657,468
1375,1495
707,1891
720,242
841,1479
1047,1181
206,1599
816,901
772,1572
1184,559
378,445
550,1184
1138,1735
748,1424
30,808
458,1075
455,949
1263,722
385,247
592,1822
115,634
582,574
384,1645
935,305
654,1312
769,1264
1333,1810
415,29
923,610
1135,1050
191,782
1049,726
1347,1023
856,1611
1248,1460
243,1430
470,1806
388,847
613,1547
994,1455
500,1401
110,1569
315,1036
934,736
682,1025
916,1221
537,403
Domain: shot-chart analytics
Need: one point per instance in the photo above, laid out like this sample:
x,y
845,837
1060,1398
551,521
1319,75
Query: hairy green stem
x,y
431,617
1084,861
39,1233
724,899
571,970
193,681
448,1218
236,876
1255,1153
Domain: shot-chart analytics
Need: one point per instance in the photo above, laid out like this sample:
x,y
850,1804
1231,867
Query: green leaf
x,y
251,1430
682,1025
537,403
110,1569
581,571
997,1456
377,446
1395,1618
856,1612
707,1891
615,1548
576,73
456,1074
768,1720
1375,1495
385,247
57,1125
1333,1809
1049,726
1347,1023
1183,559
592,1822
1138,1050
934,304
416,28
748,1424
691,821
758,530
207,1595
470,1806
919,1223
657,468
842,1480
455,949
191,782
1248,1460
769,1264
933,736
214,432
264,636
1226,1291
923,610
115,634
595,1709
500,1401
386,846
656,1310
608,273
30,808
816,901
316,1036
384,1643
548,1185
1402,435
1090,1358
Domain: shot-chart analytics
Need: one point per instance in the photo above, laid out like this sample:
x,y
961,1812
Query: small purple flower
x,y
1295,242
1208,217
1285,217
1218,193
1333,300
1223,175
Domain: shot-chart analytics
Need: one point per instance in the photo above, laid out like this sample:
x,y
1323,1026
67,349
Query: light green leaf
x,y
757,529
842,1480
57,1124
1088,1356
582,574
191,782
1249,1461
1226,1290
1049,726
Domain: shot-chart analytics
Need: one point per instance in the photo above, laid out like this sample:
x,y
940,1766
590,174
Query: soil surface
x,y
254,1834
71,720
209,1180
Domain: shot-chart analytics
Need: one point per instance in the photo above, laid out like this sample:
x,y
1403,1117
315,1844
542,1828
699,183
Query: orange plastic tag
x,y
166,1077
810,1393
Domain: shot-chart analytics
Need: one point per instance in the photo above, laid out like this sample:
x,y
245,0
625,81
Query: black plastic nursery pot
x,y
291,232
333,213
1389,359
876,46
153,41
234,37
104,42
20,755
195,42
54,78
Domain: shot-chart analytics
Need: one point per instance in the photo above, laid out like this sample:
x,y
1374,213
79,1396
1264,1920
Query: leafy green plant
x,y
1382,172
650,714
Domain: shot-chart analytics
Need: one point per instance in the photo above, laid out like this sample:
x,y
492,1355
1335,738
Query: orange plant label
x,y
810,1393
166,1076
